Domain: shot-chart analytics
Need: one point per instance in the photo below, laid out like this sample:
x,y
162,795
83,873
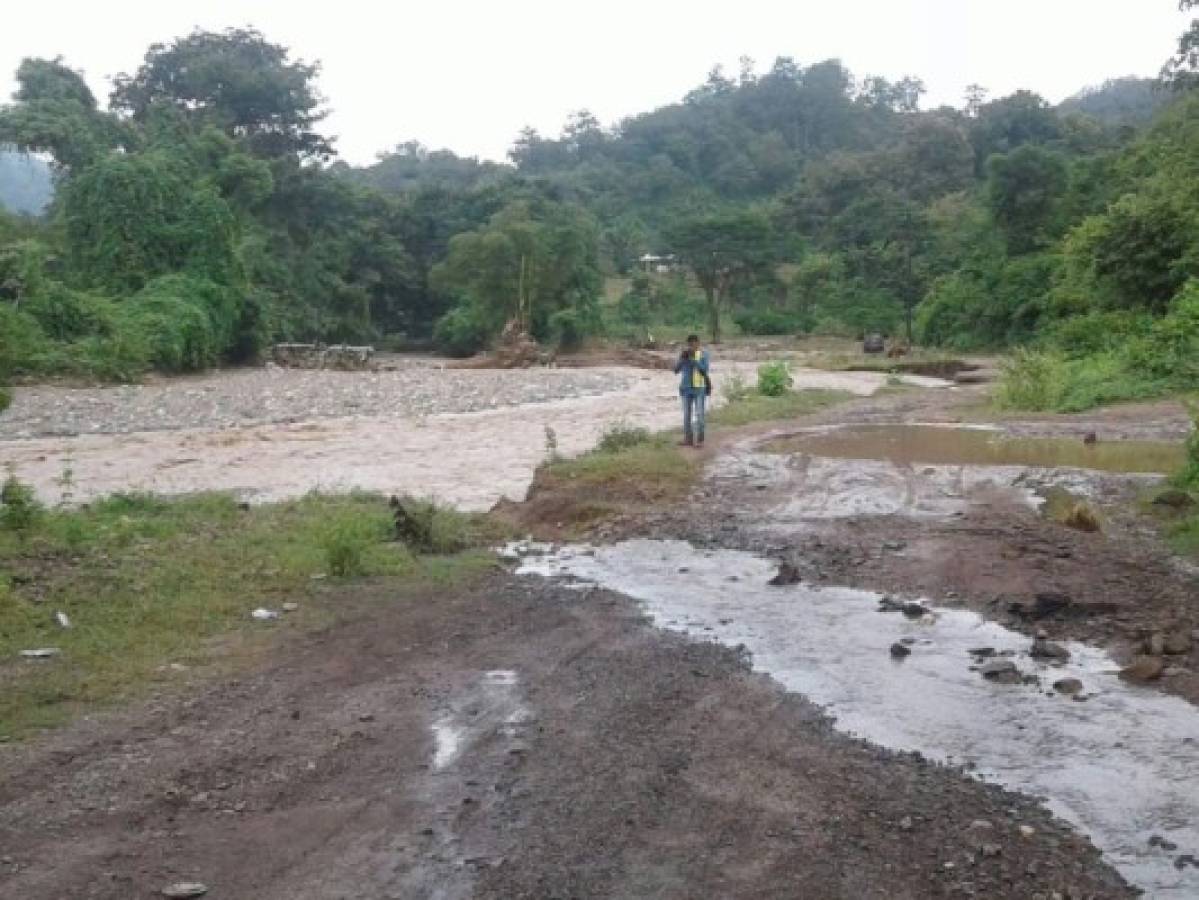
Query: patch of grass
x,y
622,436
856,361
758,408
5,398
146,582
653,468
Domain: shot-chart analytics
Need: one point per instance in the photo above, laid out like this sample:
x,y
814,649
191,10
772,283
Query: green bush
x,y
23,344
1188,475
774,378
771,321
64,314
1094,332
1032,380
569,329
20,509
461,332
184,322
621,436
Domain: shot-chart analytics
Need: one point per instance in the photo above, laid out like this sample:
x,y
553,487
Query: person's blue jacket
x,y
690,368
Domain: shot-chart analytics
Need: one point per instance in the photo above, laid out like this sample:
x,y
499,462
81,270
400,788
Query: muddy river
x,y
468,438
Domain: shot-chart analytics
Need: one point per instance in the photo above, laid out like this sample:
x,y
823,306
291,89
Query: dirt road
x,y
521,740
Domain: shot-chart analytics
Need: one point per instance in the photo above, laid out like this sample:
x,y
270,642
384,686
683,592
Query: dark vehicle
x,y
873,343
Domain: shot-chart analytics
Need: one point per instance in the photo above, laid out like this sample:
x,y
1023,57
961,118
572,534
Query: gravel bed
x,y
257,396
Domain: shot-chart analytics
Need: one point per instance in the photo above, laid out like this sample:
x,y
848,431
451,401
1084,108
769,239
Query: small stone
x,y
993,668
1143,669
905,824
1177,643
1157,840
1156,644
981,825
41,653
1068,686
182,890
366,717
290,607
914,610
899,651
787,574
262,614
1042,649
990,850
894,546
1027,831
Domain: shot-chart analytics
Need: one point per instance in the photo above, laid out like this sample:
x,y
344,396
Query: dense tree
x,y
1024,192
726,251
55,113
235,80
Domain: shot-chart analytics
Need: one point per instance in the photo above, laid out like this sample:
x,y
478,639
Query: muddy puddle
x,y
1121,764
951,445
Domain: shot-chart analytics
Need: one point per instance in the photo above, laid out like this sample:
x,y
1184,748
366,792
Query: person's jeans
x,y
693,415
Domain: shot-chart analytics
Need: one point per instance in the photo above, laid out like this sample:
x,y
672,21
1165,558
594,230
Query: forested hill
x,y
200,214
25,183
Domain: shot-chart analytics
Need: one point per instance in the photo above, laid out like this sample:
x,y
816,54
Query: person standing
x,y
694,387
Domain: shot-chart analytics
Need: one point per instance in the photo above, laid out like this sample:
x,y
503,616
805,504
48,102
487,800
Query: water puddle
x,y
490,705
940,445
1122,766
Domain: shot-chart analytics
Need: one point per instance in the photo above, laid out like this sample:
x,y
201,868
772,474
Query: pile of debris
x,y
340,357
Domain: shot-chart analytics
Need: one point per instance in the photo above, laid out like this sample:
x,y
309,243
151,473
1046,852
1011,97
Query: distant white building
x,y
651,263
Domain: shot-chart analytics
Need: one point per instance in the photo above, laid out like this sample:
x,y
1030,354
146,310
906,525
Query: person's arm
x,y
703,362
680,362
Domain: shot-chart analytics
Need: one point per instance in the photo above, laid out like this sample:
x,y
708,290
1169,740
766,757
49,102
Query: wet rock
x,y
1185,860
900,651
1157,840
914,610
1143,669
1177,643
1049,603
998,668
787,574
1043,649
183,890
894,546
982,652
1068,686
890,604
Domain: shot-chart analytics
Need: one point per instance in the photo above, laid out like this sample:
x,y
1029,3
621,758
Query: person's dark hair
x,y
692,337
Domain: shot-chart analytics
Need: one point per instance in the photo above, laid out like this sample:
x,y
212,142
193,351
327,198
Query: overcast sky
x,y
469,75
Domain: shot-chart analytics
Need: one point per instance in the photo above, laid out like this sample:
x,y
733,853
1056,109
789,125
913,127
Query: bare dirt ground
x,y
519,740
527,739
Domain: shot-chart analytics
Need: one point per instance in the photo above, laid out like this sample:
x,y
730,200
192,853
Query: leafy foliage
x,y
774,378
